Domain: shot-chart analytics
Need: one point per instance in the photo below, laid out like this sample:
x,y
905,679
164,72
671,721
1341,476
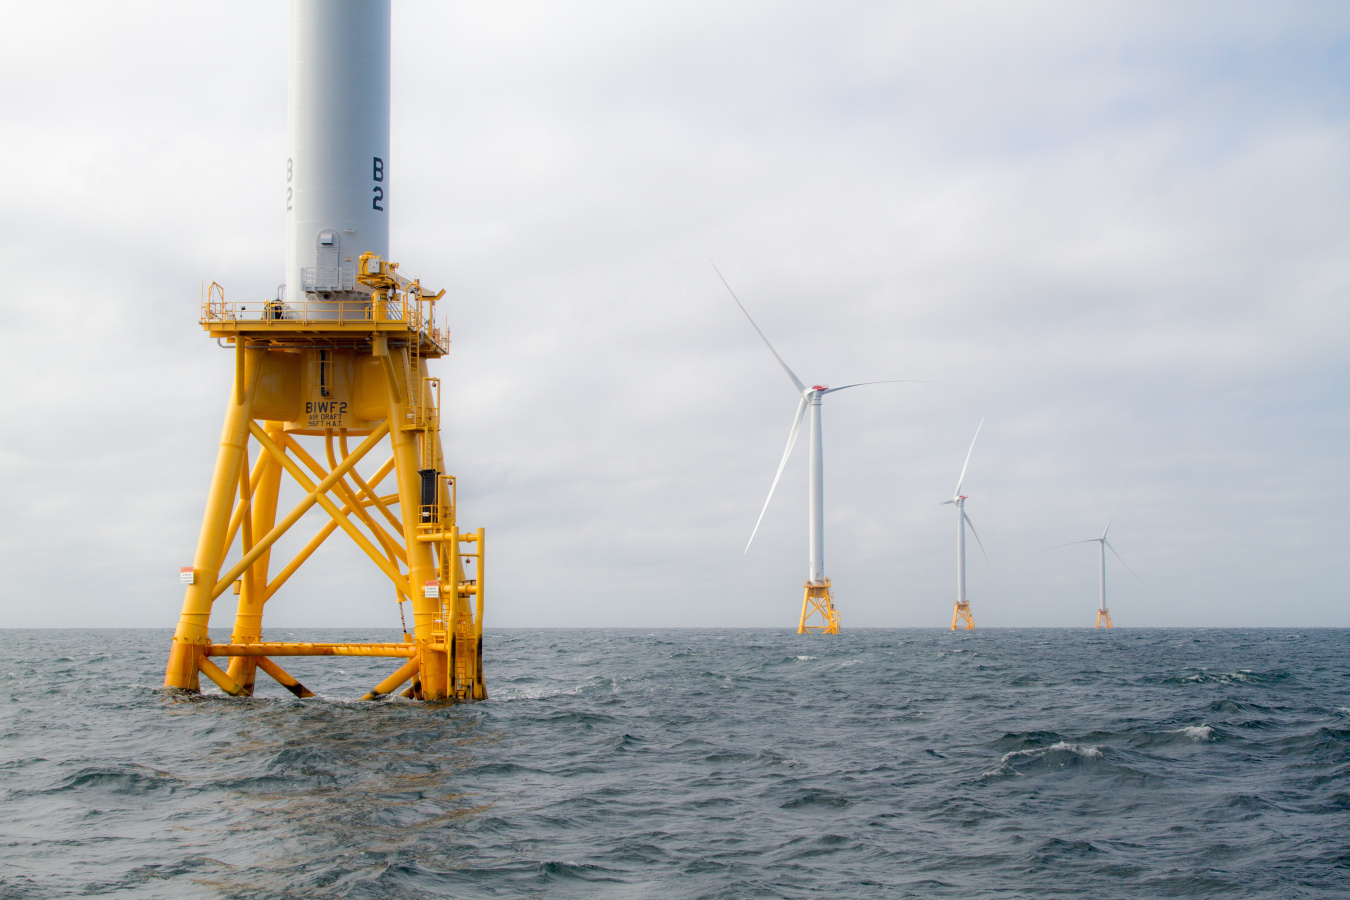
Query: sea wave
x,y
1057,757
665,763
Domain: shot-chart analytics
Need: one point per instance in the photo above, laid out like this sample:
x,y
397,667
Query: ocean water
x,y
693,763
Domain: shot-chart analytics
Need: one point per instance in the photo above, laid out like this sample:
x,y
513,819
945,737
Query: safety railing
x,y
395,306
307,312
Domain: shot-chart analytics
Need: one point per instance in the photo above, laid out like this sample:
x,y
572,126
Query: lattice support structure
x,y
962,614
355,366
818,613
1103,618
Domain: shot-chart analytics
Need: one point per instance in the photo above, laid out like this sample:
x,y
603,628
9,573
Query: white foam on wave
x,y
1088,752
1196,732
506,696
1006,764
805,658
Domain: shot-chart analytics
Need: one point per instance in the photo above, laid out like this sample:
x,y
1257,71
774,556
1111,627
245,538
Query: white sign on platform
x,y
432,590
186,575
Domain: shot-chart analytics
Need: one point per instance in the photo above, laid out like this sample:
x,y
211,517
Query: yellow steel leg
x,y
393,682
427,617
237,517
261,518
480,685
1103,619
284,678
223,681
191,634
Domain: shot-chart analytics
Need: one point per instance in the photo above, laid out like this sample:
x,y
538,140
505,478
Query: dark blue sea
x,y
693,763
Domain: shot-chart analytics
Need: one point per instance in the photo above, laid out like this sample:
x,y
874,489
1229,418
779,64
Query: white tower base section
x,y
337,136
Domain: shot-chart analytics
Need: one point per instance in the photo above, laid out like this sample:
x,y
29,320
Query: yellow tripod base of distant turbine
x,y
1103,619
962,614
818,613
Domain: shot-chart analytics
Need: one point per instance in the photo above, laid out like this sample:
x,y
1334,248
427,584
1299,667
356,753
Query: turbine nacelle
x,y
810,398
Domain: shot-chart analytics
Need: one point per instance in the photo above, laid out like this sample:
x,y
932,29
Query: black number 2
x,y
288,199
379,195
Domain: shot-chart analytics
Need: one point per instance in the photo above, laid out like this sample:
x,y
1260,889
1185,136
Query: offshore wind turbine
x,y
962,611
1103,614
817,601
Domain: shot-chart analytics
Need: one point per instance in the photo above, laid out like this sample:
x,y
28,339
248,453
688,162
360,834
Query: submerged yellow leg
x,y
191,633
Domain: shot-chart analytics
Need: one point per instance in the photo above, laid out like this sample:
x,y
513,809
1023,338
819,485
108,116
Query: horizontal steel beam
x,y
304,649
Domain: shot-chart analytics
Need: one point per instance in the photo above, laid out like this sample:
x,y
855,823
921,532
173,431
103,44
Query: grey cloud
x,y
1115,231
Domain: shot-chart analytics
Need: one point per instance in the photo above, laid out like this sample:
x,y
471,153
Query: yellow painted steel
x,y
395,681
361,371
818,613
259,493
318,539
1103,619
223,681
275,648
191,633
962,614
282,677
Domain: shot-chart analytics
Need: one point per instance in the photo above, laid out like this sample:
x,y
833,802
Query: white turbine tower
x,y
817,599
1103,614
962,612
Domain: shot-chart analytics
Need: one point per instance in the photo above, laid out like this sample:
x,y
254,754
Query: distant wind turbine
x,y
1103,614
962,612
817,600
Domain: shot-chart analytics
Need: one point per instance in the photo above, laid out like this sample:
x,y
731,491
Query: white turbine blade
x,y
1071,543
1109,520
925,506
962,480
977,540
887,381
1123,562
801,388
792,439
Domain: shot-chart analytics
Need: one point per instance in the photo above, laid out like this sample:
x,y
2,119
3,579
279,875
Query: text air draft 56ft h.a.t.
x,y
339,356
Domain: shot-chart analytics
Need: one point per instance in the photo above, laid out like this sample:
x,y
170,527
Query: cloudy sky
x,y
1117,232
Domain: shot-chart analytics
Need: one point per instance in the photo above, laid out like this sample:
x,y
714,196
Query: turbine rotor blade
x,y
1123,562
792,439
977,540
801,388
1071,543
925,506
960,481
887,381
1109,520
